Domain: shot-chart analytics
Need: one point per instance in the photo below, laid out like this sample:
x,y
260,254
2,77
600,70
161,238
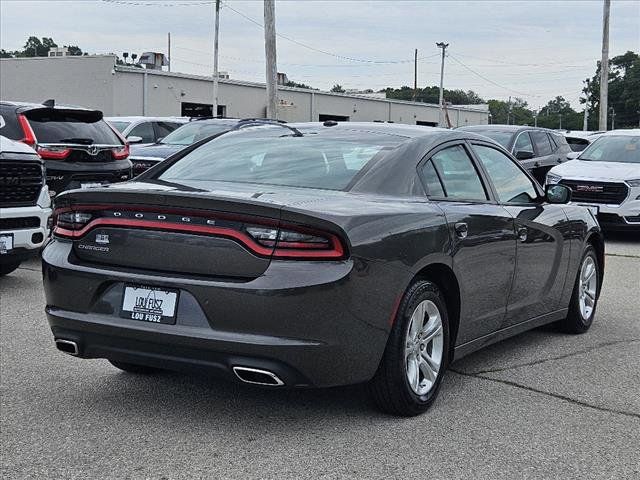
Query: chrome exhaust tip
x,y
67,346
255,376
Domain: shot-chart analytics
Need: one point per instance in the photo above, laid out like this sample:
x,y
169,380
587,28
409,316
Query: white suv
x,y
606,177
25,206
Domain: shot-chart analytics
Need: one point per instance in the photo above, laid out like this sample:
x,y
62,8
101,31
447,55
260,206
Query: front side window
x,y
511,183
273,155
615,148
144,131
459,177
165,128
542,142
523,143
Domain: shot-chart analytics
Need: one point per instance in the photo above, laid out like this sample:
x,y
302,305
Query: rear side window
x,y
64,126
460,178
542,142
432,181
194,132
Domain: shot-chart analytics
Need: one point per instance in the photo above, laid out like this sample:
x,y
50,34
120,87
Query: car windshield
x,y
119,125
503,138
194,132
272,155
615,148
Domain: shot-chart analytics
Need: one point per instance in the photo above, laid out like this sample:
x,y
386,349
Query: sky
x,y
529,49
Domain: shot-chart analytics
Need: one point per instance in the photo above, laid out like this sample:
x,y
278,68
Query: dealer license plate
x,y
90,185
6,244
149,304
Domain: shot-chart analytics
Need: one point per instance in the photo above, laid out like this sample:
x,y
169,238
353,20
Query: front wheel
x,y
582,308
411,370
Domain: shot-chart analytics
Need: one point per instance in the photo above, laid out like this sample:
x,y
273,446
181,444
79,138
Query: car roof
x,y
24,106
151,119
397,129
506,128
629,132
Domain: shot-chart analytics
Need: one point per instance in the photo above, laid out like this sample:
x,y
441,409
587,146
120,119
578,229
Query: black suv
x,y
79,148
537,149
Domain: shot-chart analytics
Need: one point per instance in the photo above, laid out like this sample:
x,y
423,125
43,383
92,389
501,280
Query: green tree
x,y
5,54
291,83
337,88
432,95
34,47
74,50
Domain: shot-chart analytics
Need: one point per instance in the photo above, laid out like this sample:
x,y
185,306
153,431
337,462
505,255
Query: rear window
x,y
63,126
275,156
194,132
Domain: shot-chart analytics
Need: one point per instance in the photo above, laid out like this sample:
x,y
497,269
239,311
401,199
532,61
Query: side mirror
x,y
573,155
524,155
558,194
134,139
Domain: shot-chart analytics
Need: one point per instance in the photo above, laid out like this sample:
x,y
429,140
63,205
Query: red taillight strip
x,y
53,154
27,131
336,252
166,226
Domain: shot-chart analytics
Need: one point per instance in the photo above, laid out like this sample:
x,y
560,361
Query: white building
x,y
97,82
59,51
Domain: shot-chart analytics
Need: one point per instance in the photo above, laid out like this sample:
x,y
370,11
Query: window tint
x,y
144,131
120,126
502,137
165,128
542,142
459,176
434,187
194,132
523,143
60,126
511,184
273,156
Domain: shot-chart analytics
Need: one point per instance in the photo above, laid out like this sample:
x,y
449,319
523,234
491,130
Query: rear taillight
x,y
53,153
120,153
71,220
259,236
29,137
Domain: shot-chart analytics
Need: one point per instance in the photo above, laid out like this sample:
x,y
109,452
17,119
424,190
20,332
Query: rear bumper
x,y
63,176
311,323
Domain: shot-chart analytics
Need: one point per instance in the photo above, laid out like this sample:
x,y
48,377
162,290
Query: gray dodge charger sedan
x,y
314,255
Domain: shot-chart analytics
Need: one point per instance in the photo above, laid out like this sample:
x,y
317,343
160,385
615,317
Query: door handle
x,y
461,229
523,233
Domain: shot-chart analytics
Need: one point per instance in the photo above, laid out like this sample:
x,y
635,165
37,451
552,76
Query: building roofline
x,y
481,108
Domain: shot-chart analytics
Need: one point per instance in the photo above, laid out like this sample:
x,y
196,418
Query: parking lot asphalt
x,y
540,405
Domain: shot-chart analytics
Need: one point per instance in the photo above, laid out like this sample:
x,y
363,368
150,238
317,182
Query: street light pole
x,y
270,54
604,67
214,107
585,120
443,46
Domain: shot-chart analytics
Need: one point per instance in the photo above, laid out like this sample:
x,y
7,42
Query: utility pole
x,y
214,107
535,118
169,51
585,120
270,54
509,110
604,67
415,75
560,115
613,118
443,46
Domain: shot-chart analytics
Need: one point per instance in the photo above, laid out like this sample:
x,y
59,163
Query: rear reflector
x,y
262,237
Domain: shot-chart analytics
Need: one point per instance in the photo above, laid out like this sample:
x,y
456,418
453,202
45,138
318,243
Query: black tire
x,y
575,322
133,368
390,387
7,268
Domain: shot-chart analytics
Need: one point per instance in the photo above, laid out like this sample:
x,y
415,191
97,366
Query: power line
x,y
324,52
489,80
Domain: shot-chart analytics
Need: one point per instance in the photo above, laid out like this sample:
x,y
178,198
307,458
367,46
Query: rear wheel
x,y
133,368
411,370
7,268
582,308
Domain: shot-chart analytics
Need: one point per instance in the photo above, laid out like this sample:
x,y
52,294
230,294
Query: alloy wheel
x,y
587,286
424,344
